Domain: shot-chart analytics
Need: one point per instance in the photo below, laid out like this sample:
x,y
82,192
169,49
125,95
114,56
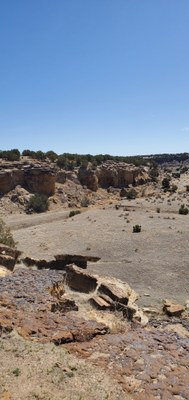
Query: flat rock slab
x,y
27,304
79,280
61,261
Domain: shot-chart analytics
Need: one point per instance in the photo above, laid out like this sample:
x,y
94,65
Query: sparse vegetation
x,y
85,201
131,194
10,155
6,236
74,212
165,183
183,210
136,228
38,203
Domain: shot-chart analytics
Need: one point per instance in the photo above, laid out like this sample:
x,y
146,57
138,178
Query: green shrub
x,y
74,212
183,210
165,183
131,194
6,235
136,228
85,202
174,188
38,203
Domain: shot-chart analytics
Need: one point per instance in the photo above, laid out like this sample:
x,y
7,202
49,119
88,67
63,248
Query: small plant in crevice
x,y
136,228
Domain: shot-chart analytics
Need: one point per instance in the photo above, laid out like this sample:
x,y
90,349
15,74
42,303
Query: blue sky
x,y
95,76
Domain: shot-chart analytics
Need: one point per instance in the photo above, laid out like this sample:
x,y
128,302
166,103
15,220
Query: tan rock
x,y
172,309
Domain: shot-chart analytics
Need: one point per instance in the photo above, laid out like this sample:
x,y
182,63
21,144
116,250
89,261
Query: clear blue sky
x,y
94,76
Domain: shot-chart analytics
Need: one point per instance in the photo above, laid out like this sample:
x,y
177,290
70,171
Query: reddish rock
x,y
27,305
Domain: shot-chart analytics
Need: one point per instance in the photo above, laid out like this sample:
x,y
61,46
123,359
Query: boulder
x,y
79,280
99,303
172,309
114,292
7,261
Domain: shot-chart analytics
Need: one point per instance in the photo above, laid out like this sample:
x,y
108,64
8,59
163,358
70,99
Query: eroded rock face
x,y
120,175
88,178
29,305
112,174
9,179
36,179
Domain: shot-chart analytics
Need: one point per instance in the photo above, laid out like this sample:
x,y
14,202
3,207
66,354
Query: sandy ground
x,y
154,262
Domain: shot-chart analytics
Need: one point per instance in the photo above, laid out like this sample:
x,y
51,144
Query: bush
x,y
183,210
6,235
174,188
74,212
158,210
165,183
11,155
136,228
38,203
85,202
131,194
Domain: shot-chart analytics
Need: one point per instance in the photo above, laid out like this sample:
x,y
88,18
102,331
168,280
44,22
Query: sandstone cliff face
x,y
10,178
36,179
110,173
120,175
87,177
40,181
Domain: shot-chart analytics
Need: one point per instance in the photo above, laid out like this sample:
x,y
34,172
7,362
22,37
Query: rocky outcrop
x,y
112,174
9,179
79,280
61,261
120,175
30,306
40,180
88,178
172,309
34,178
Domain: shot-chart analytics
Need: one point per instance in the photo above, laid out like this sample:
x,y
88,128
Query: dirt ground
x,y
154,262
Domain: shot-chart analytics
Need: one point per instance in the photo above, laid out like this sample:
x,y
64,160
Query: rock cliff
x,y
35,178
110,173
